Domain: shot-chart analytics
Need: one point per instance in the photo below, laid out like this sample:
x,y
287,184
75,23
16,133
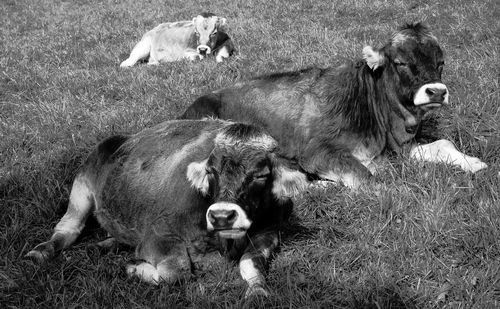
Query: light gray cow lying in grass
x,y
180,190
191,39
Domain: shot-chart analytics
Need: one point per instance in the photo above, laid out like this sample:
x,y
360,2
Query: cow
x,y
190,39
337,122
179,191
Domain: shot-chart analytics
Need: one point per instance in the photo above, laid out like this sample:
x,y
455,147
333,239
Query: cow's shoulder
x,y
171,137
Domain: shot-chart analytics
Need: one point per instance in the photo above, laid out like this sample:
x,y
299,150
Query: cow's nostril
x,y
436,94
232,216
202,51
430,91
211,217
442,92
222,219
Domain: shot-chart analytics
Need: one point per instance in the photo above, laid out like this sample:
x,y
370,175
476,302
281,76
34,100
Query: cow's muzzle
x,y
431,95
229,220
203,50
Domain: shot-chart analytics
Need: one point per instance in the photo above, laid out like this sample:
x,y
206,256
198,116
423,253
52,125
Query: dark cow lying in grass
x,y
191,40
180,190
336,121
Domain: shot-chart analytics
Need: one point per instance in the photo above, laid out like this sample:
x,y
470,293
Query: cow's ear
x,y
197,19
374,59
288,182
198,176
221,21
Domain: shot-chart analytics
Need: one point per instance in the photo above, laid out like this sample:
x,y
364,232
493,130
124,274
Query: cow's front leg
x,y
253,263
160,260
193,55
443,151
222,53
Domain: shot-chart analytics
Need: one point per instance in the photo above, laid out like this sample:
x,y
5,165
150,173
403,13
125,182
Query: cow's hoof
x,y
131,270
40,254
322,184
126,64
107,244
474,165
256,291
144,271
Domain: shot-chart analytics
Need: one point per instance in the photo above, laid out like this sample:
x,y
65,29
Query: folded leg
x,y
253,263
161,260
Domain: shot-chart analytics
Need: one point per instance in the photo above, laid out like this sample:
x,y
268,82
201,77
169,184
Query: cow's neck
x,y
192,41
398,115
359,107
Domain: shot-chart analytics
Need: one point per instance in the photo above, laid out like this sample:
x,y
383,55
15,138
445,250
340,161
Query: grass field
x,y
431,240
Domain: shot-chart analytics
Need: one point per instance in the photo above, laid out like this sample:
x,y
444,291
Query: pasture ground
x,y
430,241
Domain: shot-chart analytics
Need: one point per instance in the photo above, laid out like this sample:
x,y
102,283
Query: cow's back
x,y
146,190
285,104
170,40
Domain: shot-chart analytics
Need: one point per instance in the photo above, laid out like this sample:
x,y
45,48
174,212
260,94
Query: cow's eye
x,y
214,33
400,63
261,176
210,170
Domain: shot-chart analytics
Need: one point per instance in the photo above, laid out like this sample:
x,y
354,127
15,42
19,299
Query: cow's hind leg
x,y
193,55
161,261
81,204
338,166
253,263
141,50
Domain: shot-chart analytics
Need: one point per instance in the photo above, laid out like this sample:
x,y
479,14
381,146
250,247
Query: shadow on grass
x,y
385,297
32,201
324,294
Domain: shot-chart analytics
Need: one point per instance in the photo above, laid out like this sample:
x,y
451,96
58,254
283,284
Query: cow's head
x,y
206,27
412,63
244,179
